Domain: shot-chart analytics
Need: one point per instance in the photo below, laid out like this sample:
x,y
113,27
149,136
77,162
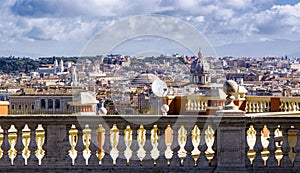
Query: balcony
x,y
250,104
229,141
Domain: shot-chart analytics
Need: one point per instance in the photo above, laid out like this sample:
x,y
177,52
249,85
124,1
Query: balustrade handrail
x,y
249,97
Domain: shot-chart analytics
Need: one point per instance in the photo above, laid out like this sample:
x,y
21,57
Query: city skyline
x,y
234,28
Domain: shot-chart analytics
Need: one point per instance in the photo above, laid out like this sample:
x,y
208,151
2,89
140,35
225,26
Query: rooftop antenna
x,y
160,89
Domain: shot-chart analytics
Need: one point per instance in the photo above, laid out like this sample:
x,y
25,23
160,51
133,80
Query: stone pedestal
x,y
55,146
275,104
231,140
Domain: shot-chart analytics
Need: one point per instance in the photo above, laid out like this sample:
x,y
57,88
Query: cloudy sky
x,y
233,27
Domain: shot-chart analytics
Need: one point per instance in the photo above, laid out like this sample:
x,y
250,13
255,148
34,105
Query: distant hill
x,y
16,64
279,47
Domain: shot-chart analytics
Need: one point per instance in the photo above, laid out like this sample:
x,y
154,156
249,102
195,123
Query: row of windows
x,y
43,105
50,104
20,106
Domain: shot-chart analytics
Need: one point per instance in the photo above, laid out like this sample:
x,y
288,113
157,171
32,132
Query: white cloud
x,y
238,4
223,14
224,21
264,39
67,8
288,10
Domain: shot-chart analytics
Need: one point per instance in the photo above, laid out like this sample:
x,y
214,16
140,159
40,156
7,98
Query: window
x,y
50,104
12,106
32,107
20,107
43,104
57,104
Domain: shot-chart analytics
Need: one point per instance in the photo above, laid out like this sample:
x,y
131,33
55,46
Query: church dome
x,y
144,79
197,67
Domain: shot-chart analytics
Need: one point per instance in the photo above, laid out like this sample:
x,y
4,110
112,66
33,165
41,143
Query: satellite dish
x,y
159,88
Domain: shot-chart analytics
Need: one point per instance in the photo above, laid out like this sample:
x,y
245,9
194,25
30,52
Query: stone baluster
x,y
19,160
259,106
189,160
121,160
197,107
188,105
289,106
247,107
281,106
251,107
285,148
263,106
202,161
272,161
32,147
292,106
201,105
161,160
5,160
44,146
195,104
214,161
297,106
192,105
107,159
93,159
200,102
296,150
68,159
258,147
134,160
247,160
80,161
148,160
254,105
268,106
175,160
285,106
